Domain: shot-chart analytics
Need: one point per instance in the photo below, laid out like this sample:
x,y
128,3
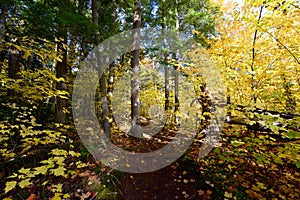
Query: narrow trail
x,y
171,182
180,180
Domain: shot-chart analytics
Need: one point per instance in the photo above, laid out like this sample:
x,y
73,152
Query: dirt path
x,y
160,185
181,180
177,181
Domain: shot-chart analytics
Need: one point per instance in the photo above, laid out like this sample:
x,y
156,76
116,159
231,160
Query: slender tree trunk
x,y
13,62
135,104
61,72
102,81
12,53
176,78
165,62
3,16
253,85
111,72
95,12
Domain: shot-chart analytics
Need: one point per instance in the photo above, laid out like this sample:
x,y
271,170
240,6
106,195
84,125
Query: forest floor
x,y
180,180
227,172
177,181
190,178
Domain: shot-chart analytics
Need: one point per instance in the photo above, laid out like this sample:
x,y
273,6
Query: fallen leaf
x,y
201,192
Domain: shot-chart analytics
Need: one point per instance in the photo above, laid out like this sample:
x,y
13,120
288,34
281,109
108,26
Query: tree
x,y
165,61
135,103
269,72
61,68
102,82
3,16
176,76
190,17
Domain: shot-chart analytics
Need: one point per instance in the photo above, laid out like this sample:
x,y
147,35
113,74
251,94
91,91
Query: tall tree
x,y
176,74
135,104
254,54
13,53
103,89
61,68
3,16
165,61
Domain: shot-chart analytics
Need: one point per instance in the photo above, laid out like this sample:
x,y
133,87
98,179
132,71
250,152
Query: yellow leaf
x,y
24,171
24,183
57,196
27,54
60,171
41,170
10,185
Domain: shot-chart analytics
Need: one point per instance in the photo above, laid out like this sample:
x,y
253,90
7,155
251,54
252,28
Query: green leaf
x,y
293,134
10,185
237,143
261,186
298,164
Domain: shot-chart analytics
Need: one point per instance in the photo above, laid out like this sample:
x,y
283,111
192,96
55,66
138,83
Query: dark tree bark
x,y
165,62
3,16
105,111
176,78
95,12
135,104
61,72
13,62
12,53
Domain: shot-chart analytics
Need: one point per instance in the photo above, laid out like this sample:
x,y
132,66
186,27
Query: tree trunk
x,y
165,62
104,112
135,104
253,85
111,73
3,16
61,72
13,62
12,53
95,12
176,78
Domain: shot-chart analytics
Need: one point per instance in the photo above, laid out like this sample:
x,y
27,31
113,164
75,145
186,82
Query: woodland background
x,y
254,44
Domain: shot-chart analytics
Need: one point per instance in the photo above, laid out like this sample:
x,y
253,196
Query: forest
x,y
149,99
